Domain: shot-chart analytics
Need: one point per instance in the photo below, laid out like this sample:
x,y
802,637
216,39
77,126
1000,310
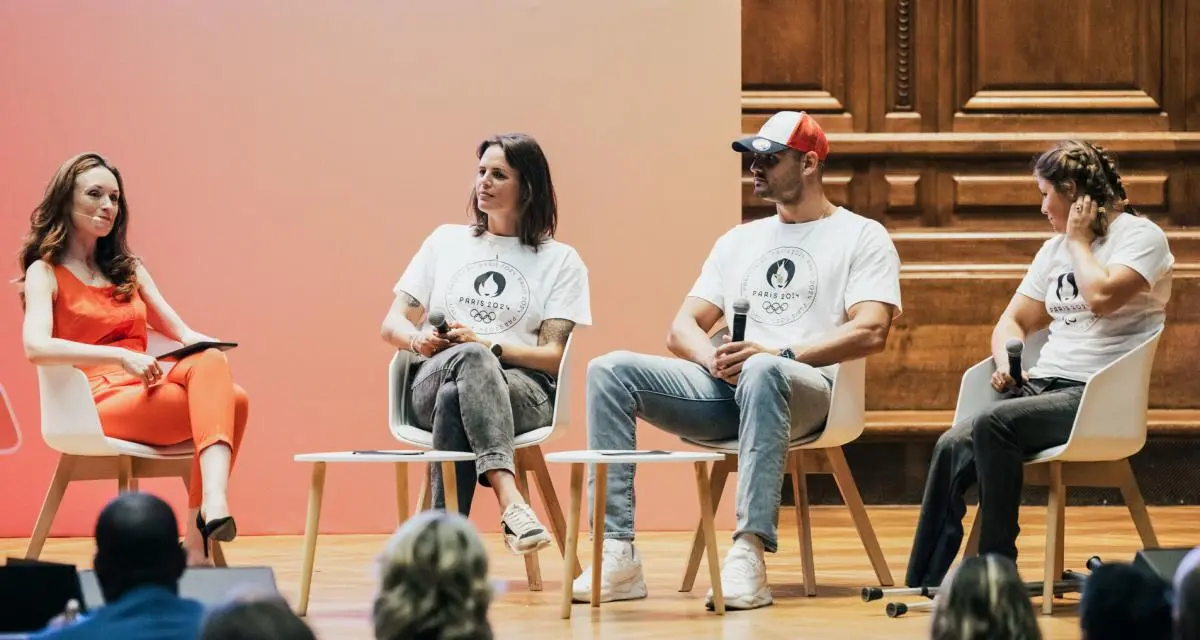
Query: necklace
x,y
93,275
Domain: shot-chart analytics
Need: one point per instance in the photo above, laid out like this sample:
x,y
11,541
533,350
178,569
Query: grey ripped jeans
x,y
470,402
774,401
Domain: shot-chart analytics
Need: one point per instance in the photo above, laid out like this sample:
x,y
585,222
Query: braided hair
x,y
1077,168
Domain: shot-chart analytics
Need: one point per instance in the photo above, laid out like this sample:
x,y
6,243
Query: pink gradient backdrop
x,y
284,160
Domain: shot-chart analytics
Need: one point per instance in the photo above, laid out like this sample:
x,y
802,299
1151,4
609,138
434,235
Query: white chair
x,y
529,457
1110,426
71,426
11,426
820,452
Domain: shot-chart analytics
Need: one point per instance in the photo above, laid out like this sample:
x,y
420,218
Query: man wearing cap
x,y
823,287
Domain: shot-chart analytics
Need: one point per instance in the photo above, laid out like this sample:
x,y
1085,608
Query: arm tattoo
x,y
410,301
555,330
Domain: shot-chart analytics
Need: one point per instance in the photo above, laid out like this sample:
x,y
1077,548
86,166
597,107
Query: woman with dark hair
x,y
1116,269
511,295
88,301
984,599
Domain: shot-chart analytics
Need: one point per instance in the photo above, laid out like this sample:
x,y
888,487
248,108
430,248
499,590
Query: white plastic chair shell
x,y
399,414
71,424
1111,422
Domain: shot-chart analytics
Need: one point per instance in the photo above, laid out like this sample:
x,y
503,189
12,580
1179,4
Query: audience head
x,y
1123,601
787,156
86,197
1187,597
1075,168
256,617
984,598
513,181
433,581
137,545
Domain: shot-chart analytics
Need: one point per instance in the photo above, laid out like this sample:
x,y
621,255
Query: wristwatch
x,y
497,349
787,352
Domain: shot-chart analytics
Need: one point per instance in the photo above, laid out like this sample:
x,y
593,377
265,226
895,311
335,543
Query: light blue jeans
x,y
774,401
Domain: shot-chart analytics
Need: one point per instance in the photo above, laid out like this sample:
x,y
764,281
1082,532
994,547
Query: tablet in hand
x,y
183,352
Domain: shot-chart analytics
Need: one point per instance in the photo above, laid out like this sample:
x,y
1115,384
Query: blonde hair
x,y
984,599
433,581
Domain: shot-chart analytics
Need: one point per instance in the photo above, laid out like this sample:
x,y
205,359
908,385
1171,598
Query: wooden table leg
x,y
449,486
571,551
401,492
598,529
315,491
710,536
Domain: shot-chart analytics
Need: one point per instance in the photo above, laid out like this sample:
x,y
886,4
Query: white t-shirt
x,y
1081,343
800,279
501,289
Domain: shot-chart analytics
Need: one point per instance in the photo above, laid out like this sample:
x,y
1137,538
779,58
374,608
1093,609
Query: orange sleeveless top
x,y
88,314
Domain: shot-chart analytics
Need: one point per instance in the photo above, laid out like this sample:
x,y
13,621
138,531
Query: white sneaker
x,y
523,534
620,575
743,580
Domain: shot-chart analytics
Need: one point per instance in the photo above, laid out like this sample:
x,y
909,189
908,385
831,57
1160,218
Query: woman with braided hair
x,y
1101,285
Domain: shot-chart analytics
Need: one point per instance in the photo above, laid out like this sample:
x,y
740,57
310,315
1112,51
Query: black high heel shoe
x,y
221,530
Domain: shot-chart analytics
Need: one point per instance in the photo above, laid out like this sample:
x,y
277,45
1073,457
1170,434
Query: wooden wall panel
x,y
802,55
936,109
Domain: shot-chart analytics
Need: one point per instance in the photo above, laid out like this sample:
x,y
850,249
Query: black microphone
x,y
740,307
1014,348
438,320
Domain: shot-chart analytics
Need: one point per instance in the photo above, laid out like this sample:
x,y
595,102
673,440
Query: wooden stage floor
x,y
343,583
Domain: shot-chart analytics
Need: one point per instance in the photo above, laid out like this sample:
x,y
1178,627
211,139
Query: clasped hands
x,y
428,344
145,367
727,360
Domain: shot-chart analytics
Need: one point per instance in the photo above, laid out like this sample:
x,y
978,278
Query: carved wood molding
x,y
904,66
1088,100
790,100
1145,190
993,144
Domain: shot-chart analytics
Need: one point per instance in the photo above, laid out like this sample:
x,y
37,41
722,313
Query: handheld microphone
x,y
740,307
1014,348
438,320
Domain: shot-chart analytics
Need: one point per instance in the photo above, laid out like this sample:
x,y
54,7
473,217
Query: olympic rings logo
x,y
483,316
774,308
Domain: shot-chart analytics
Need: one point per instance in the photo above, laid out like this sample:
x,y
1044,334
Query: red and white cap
x,y
786,130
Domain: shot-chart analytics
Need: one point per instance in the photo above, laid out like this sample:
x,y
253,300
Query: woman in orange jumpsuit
x,y
88,302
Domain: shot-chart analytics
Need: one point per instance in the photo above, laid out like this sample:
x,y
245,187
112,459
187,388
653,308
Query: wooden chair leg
x,y
401,492
803,522
536,463
836,458
124,473
720,473
316,491
58,486
1136,505
218,554
972,546
425,494
1056,511
533,569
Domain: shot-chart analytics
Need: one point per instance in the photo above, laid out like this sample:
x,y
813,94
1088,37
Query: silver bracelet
x,y
412,344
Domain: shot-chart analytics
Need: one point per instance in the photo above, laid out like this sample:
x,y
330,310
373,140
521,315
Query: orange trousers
x,y
197,400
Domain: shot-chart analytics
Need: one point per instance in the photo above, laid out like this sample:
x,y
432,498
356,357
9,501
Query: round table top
x,y
631,457
386,455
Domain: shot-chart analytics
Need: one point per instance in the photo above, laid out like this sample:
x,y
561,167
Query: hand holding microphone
x,y
1014,377
728,358
427,344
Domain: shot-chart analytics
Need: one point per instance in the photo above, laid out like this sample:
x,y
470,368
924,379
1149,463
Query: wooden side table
x,y
577,460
